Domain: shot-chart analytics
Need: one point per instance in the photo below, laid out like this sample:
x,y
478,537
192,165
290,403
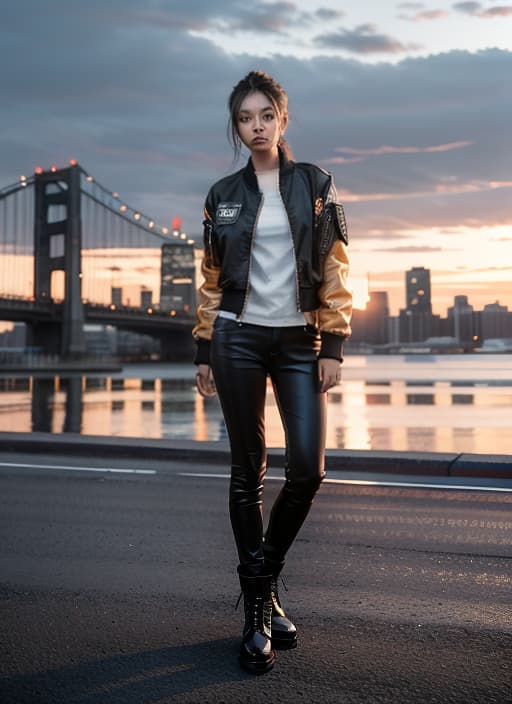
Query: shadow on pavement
x,y
135,678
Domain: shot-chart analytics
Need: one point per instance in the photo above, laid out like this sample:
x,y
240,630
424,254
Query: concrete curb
x,y
412,463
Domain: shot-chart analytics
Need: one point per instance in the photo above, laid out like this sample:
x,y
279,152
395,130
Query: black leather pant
x,y
242,355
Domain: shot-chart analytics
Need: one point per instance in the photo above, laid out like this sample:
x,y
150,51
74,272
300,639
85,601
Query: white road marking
x,y
371,482
78,469
208,475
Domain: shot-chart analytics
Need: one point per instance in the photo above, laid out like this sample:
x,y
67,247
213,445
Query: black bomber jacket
x,y
319,238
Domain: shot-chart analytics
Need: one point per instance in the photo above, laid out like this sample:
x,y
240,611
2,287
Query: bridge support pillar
x,y
58,247
47,336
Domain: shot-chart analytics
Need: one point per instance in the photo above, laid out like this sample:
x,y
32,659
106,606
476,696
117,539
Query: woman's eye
x,y
244,119
268,116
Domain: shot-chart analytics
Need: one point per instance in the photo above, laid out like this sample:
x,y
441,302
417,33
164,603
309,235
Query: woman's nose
x,y
258,126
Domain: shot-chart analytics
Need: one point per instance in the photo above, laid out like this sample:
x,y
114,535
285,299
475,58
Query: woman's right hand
x,y
204,381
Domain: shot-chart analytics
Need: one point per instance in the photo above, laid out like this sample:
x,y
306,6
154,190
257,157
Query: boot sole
x,y
257,668
283,644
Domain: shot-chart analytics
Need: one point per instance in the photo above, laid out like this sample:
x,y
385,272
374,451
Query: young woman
x,y
274,303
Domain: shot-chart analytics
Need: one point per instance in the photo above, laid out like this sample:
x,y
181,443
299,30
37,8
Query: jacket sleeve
x,y
209,295
335,309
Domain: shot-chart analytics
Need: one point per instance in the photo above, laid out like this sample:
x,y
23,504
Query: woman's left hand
x,y
329,373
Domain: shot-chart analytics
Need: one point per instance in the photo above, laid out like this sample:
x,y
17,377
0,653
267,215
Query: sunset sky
x,y
409,104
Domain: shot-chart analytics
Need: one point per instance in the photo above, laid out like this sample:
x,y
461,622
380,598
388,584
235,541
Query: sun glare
x,y
359,287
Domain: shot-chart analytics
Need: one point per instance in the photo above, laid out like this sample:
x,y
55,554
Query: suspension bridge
x,y
73,253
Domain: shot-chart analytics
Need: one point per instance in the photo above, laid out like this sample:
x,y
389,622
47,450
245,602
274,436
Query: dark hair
x,y
262,82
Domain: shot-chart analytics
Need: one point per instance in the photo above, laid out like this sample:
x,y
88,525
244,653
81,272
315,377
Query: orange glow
x,y
73,162
53,168
38,170
359,288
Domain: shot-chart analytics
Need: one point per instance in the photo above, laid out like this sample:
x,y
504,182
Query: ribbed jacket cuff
x,y
203,352
331,345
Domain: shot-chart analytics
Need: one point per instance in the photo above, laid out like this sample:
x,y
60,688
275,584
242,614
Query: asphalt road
x,y
119,587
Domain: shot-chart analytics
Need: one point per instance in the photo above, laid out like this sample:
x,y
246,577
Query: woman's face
x,y
259,125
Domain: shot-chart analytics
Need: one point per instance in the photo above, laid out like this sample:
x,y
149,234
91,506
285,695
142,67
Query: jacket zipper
x,y
209,225
248,285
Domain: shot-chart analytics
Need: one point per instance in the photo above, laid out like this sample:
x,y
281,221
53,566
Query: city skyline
x,y
397,297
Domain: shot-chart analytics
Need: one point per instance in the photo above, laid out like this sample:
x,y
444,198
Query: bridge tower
x,y
58,247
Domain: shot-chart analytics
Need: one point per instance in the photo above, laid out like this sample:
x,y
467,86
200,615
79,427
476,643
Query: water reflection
x,y
396,414
378,399
468,399
420,399
73,415
42,398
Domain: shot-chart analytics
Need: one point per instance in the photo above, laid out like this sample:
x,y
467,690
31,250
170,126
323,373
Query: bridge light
x,y
90,179
183,236
23,178
165,230
73,162
136,216
38,170
149,311
112,306
53,168
190,241
122,208
151,223
115,195
172,312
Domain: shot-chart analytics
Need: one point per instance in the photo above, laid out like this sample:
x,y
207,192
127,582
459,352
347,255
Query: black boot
x,y
256,653
284,632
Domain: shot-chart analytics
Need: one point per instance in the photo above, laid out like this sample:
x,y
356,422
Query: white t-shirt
x,y
273,291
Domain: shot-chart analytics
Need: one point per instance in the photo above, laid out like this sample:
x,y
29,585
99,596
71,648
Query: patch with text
x,y
227,213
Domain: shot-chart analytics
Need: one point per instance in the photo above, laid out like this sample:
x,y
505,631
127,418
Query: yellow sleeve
x,y
209,299
335,309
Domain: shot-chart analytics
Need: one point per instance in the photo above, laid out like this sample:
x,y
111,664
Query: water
x,y
445,403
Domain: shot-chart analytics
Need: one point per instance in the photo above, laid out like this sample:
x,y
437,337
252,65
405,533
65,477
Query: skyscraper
x,y
461,320
416,320
417,290
377,318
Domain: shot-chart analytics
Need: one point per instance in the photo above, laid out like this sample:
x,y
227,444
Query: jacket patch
x,y
227,213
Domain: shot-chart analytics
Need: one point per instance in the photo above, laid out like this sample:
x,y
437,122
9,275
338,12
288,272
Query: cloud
x,y
411,5
364,39
470,8
328,13
269,17
477,10
411,249
426,15
363,154
436,189
142,105
498,11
